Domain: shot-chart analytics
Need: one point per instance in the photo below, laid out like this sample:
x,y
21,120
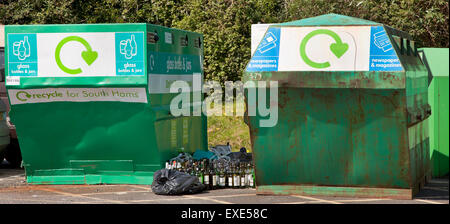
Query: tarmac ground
x,y
15,190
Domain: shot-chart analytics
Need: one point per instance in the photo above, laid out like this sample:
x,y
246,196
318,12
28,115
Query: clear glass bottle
x,y
243,175
230,176
206,177
222,177
27,46
249,175
236,177
178,167
215,177
167,165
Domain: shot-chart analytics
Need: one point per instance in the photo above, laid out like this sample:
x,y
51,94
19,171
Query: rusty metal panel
x,y
347,137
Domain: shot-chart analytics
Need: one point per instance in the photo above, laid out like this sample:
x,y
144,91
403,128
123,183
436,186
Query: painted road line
x,y
89,202
211,198
11,177
229,196
436,189
153,200
80,196
178,198
38,201
206,198
301,202
116,192
19,175
149,189
429,202
362,200
315,199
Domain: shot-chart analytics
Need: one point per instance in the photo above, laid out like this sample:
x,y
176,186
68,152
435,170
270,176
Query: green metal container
x,y
91,102
352,110
436,60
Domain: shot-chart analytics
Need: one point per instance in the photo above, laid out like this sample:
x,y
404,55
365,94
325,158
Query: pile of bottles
x,y
218,174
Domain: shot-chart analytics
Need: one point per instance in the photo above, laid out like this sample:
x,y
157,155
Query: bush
x,y
226,23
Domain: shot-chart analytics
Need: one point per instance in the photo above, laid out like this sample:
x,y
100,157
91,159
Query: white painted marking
x,y
206,198
316,199
429,202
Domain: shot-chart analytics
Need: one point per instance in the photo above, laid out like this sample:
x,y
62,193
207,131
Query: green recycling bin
x,y
352,110
91,103
436,60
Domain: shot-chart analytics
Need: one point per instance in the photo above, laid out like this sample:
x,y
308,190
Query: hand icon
x,y
21,49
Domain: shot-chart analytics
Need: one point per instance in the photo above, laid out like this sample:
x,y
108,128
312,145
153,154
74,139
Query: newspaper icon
x,y
267,43
381,40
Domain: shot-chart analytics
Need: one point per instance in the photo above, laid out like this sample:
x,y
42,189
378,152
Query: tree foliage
x,y
226,23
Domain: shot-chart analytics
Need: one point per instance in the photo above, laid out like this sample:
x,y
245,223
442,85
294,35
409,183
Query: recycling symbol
x,y
18,96
338,48
89,56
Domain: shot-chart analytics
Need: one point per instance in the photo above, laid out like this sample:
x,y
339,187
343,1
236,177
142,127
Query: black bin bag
x,y
172,182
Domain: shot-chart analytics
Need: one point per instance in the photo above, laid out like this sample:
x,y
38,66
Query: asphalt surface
x,y
15,190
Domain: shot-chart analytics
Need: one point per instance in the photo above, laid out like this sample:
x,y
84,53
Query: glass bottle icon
x,y
128,47
133,46
27,46
22,51
21,48
128,50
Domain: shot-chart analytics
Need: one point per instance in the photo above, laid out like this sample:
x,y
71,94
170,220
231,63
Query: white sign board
x,y
325,48
47,95
76,54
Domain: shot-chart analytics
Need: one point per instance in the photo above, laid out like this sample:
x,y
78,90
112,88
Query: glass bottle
x,y
236,176
215,177
178,167
174,165
243,175
199,173
249,176
252,179
206,179
183,167
167,165
230,176
211,175
192,170
222,177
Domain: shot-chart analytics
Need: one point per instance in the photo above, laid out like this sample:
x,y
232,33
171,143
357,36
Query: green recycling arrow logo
x,y
339,48
27,95
89,56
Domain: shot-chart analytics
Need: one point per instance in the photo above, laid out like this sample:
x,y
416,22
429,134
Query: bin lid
x,y
436,60
334,51
326,43
329,20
